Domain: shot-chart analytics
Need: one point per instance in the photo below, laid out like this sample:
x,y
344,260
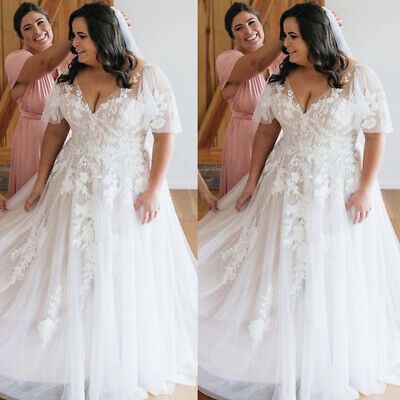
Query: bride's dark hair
x,y
104,30
316,31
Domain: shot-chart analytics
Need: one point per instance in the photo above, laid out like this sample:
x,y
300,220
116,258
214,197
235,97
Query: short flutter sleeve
x,y
372,112
52,111
160,104
13,65
224,65
264,112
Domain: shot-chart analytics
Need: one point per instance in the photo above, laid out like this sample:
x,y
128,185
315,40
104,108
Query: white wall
x,y
166,33
372,29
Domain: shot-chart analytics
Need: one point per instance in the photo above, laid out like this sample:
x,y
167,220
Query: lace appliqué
x,y
160,100
237,253
49,326
257,327
373,106
25,254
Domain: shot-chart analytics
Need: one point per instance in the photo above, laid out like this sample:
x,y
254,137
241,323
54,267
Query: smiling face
x,y
296,47
36,32
248,32
85,47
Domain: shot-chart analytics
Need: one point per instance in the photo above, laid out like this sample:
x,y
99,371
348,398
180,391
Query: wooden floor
x,y
185,202
392,202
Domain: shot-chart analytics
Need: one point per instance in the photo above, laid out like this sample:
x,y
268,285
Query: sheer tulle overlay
x,y
93,304
296,302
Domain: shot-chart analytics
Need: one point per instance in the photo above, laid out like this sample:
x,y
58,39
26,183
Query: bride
x,y
298,292
97,286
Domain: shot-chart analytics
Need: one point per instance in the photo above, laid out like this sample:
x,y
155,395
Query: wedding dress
x,y
93,304
296,302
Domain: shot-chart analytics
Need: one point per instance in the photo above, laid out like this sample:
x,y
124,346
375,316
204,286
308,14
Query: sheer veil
x,y
337,31
126,32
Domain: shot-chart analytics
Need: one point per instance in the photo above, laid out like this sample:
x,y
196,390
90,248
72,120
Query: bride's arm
x,y
264,141
53,142
161,155
360,200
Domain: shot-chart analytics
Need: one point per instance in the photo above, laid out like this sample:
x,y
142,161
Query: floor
x,y
392,393
185,202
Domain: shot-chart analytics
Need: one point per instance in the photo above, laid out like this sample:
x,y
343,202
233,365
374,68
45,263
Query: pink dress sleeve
x,y
224,65
14,63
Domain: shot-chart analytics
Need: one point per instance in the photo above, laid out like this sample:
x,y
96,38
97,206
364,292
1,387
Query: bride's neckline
x,y
326,94
115,94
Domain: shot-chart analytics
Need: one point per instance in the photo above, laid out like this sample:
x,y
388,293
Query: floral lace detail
x,y
238,252
109,161
257,327
303,168
49,326
26,253
161,103
105,160
373,106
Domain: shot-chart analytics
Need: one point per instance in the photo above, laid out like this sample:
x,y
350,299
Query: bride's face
x,y
294,43
85,47
247,31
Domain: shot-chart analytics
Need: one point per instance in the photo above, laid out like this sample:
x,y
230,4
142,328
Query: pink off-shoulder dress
x,y
28,135
236,155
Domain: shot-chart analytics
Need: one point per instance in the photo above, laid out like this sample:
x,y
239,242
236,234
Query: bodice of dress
x,y
107,149
320,144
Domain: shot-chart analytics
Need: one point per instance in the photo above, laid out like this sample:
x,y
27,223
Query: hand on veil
x,y
33,197
339,19
359,203
148,200
3,207
127,19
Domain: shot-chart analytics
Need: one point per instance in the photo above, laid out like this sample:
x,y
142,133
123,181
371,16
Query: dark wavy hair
x,y
234,10
24,9
104,30
316,31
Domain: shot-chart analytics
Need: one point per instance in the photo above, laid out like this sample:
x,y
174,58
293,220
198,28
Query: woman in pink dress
x,y
241,73
31,73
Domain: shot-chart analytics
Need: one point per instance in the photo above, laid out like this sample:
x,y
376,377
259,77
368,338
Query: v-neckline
x,y
328,93
115,94
309,105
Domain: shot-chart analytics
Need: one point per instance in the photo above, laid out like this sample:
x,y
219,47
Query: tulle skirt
x,y
296,302
93,304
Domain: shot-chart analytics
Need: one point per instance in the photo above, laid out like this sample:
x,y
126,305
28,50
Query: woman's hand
x,y
339,19
127,19
360,204
245,197
34,196
211,200
149,201
3,207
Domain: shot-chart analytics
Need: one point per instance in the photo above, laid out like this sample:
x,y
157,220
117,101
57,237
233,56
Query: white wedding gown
x,y
296,302
93,304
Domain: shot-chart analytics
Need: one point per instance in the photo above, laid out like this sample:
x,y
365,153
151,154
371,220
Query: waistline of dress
x,y
242,115
30,115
